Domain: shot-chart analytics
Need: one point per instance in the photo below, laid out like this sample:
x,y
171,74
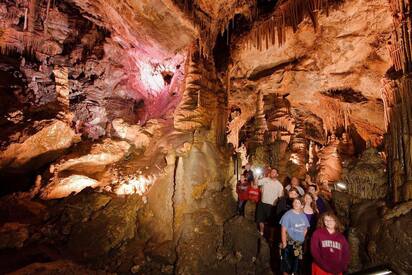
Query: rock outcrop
x,y
42,147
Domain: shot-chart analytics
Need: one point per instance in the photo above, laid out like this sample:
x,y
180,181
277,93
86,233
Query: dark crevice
x,y
345,94
270,69
173,201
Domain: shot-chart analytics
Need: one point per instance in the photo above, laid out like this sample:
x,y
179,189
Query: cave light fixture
x,y
258,171
341,186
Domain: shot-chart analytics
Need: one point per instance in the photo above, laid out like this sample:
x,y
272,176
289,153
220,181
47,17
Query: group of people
x,y
311,235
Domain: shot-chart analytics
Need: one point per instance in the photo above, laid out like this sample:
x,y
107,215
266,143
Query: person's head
x,y
312,189
266,171
293,193
309,200
248,166
297,204
242,177
273,173
330,221
255,182
294,181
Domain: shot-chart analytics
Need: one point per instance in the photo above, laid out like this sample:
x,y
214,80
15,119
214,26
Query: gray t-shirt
x,y
295,225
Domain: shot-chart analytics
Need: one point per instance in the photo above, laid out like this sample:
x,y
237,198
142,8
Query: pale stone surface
x,y
40,148
100,155
64,187
135,134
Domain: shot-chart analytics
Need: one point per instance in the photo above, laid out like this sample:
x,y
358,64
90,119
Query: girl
x,y
293,231
310,210
330,250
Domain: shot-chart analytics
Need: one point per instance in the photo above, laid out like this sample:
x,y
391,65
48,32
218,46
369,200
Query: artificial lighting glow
x,y
151,76
134,185
382,272
294,158
341,186
258,171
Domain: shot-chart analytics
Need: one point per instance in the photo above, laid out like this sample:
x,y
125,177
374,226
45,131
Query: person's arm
x,y
304,233
283,237
301,191
314,247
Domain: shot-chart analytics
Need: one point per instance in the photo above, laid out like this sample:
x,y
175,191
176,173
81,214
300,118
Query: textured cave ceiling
x,y
320,55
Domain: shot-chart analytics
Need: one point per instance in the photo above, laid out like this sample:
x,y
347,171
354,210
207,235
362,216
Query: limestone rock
x,y
345,51
105,229
57,267
44,146
135,134
366,178
61,188
392,243
13,235
100,155
17,209
242,239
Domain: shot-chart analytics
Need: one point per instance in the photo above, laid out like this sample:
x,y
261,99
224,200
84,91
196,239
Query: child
x,y
294,227
329,248
285,203
253,192
311,212
241,190
310,209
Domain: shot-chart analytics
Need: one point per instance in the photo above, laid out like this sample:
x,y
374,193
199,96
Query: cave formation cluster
x,y
125,123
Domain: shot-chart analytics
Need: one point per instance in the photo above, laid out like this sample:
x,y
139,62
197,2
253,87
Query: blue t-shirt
x,y
295,225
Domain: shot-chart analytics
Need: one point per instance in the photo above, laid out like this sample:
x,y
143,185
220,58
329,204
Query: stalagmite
x,y
261,125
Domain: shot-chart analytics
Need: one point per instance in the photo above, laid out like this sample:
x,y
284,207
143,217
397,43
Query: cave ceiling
x,y
330,71
329,64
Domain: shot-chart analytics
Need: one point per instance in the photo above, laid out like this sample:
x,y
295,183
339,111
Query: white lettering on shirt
x,y
331,244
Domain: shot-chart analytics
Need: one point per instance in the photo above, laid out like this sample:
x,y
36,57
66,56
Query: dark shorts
x,y
265,213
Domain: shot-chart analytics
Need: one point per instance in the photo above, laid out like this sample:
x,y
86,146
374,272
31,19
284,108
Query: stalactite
x,y
25,18
261,124
32,15
61,74
289,13
47,16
